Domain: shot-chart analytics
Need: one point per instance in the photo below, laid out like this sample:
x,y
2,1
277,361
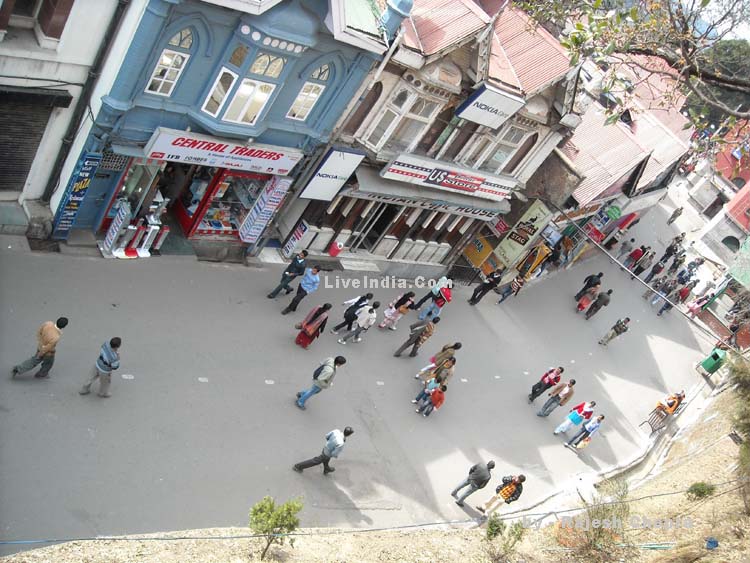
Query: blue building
x,y
213,110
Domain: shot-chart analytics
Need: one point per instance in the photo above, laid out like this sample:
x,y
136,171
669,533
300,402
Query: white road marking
x,y
497,377
203,379
572,361
464,380
526,373
127,376
380,382
270,382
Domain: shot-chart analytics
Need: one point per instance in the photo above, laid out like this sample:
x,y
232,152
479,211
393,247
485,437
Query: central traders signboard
x,y
333,171
489,106
75,193
523,233
192,148
446,176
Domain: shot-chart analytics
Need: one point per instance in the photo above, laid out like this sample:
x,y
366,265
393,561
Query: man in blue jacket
x,y
334,444
294,269
309,284
106,363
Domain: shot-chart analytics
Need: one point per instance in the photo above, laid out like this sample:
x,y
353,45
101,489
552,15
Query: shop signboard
x,y
523,233
193,148
446,176
489,106
266,205
299,231
75,193
123,216
613,212
499,227
333,171
575,214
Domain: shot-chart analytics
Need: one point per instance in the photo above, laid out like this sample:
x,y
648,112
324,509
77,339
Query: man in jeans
x,y
479,476
334,444
322,379
309,284
294,269
560,395
508,491
366,317
47,337
549,379
106,363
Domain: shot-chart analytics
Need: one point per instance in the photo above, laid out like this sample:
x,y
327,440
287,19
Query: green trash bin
x,y
714,360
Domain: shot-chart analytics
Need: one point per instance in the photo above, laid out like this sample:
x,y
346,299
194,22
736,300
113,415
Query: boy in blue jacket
x,y
106,363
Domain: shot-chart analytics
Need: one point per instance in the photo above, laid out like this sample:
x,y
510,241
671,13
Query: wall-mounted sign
x,y
266,205
75,193
296,236
446,176
192,148
574,214
523,233
490,106
455,209
332,172
500,227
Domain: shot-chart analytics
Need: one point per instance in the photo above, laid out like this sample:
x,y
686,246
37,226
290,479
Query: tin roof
x,y
435,25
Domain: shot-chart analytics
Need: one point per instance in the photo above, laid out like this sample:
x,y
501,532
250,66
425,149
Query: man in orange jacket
x,y
47,338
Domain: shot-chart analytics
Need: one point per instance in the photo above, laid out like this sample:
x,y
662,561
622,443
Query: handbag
x,y
403,309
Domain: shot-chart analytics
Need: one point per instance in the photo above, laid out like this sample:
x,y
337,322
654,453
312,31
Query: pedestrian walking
x,y
634,256
428,387
479,476
550,378
588,297
309,284
447,351
107,362
655,287
618,329
489,284
435,401
444,281
644,264
513,288
734,329
669,298
626,248
323,378
47,337
686,290
582,412
561,394
365,319
350,313
677,263
584,434
675,214
397,309
420,333
602,300
508,491
335,440
439,301
443,369
697,305
670,251
656,269
589,281
667,288
295,268
313,325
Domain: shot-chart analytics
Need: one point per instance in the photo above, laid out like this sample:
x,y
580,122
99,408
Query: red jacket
x,y
585,413
438,398
636,255
551,378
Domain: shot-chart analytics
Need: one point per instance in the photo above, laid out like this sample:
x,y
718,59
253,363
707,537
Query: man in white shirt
x,y
334,444
366,317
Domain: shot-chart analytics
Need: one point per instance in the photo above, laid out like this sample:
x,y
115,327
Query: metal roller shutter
x,y
21,128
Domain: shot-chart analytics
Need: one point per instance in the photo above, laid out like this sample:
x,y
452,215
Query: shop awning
x,y
371,182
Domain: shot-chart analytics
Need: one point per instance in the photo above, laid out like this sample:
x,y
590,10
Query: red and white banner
x,y
193,148
446,176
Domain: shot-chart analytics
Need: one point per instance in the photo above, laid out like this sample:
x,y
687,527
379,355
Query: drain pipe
x,y
83,100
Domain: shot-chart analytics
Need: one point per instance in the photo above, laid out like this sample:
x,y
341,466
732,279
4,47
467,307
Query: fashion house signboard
x,y
446,176
489,106
193,148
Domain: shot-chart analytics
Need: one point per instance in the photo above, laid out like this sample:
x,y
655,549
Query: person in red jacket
x,y
437,398
633,257
549,379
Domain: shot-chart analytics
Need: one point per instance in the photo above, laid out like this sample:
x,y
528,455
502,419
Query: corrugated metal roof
x,y
442,23
536,57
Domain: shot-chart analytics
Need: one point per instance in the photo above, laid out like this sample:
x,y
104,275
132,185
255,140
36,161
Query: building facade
x,y
212,108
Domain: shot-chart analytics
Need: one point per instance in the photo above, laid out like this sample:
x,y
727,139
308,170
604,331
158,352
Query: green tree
x,y
274,522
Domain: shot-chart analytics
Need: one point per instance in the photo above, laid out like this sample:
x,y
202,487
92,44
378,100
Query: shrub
x,y
700,490
273,521
502,538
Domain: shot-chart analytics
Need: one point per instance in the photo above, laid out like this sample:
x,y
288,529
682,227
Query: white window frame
x,y
186,56
258,83
491,149
401,113
297,99
235,76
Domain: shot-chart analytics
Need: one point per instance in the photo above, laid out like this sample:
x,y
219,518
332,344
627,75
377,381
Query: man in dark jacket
x,y
479,476
484,288
421,332
602,300
350,314
508,491
294,269
589,282
620,327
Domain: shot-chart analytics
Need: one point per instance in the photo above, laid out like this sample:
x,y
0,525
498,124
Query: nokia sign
x,y
490,106
333,171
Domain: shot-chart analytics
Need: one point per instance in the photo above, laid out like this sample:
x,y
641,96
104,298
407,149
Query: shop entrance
x,y
382,223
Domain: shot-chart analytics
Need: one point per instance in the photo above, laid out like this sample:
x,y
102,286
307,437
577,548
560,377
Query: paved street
x,y
207,424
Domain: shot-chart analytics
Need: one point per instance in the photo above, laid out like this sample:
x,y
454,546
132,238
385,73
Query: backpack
x,y
318,371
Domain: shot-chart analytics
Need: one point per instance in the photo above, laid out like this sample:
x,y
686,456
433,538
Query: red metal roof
x,y
438,24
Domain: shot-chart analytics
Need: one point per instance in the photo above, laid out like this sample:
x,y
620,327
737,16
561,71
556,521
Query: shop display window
x,y
234,196
193,195
137,183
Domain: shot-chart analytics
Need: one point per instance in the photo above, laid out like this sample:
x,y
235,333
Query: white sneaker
x,y
357,339
391,328
341,341
413,401
334,331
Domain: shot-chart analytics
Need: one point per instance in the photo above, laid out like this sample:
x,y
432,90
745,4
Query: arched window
x,y
310,93
731,243
363,109
171,63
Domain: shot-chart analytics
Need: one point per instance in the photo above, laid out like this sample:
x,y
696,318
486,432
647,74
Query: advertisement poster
x,y
523,233
332,173
260,215
299,231
75,193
